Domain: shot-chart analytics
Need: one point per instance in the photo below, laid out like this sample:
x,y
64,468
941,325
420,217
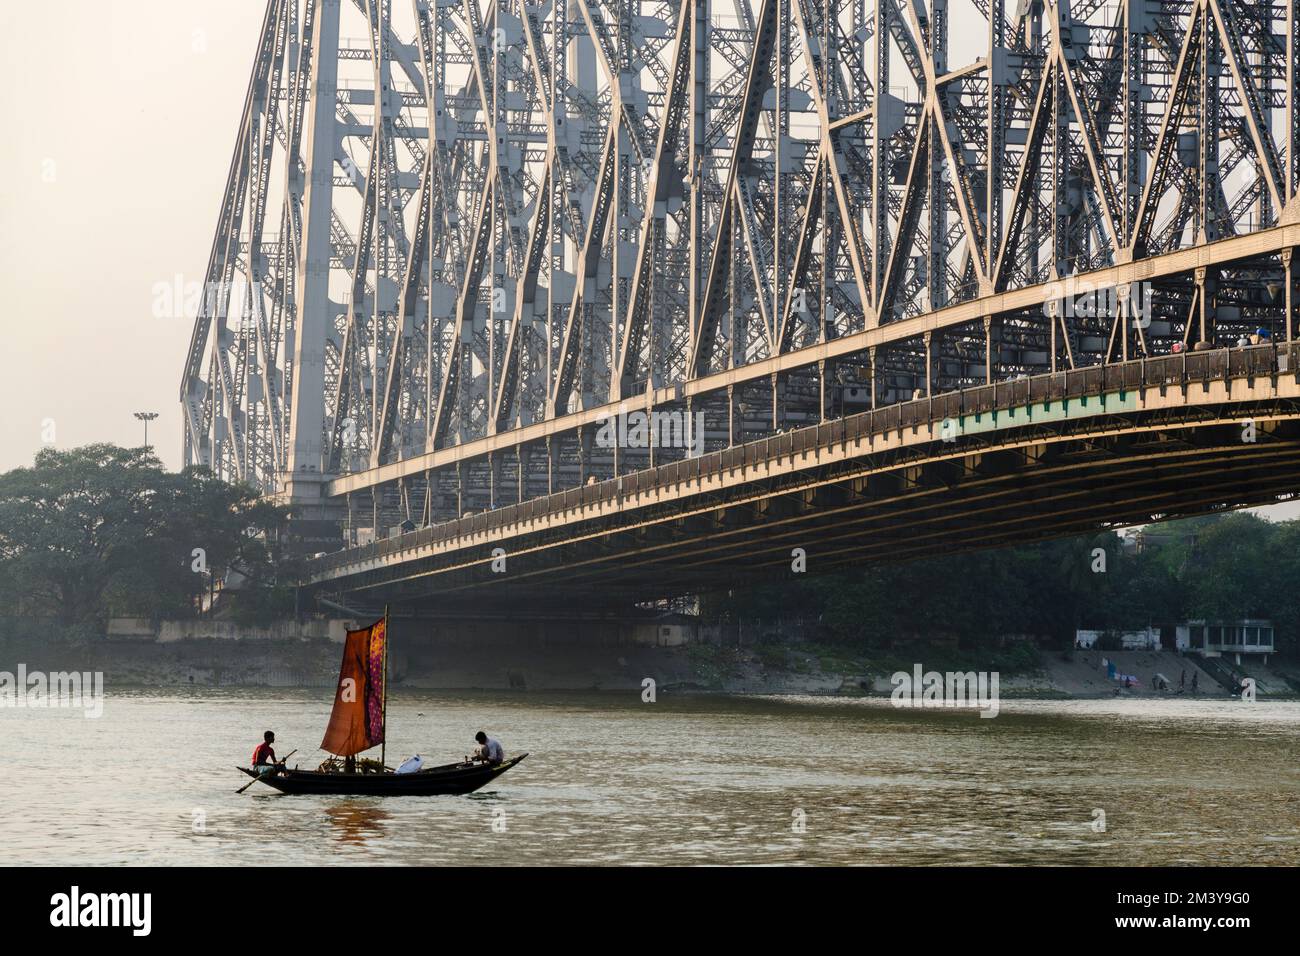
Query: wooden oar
x,y
259,776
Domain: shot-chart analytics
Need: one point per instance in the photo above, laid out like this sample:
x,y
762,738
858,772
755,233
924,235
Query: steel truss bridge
x,y
910,274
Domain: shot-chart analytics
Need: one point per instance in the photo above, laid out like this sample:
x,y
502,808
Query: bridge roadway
x,y
1008,463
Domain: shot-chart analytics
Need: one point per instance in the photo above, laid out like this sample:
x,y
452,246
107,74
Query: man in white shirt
x,y
488,749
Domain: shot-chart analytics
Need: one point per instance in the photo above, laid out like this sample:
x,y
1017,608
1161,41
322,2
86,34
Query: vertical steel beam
x,y
313,323
995,145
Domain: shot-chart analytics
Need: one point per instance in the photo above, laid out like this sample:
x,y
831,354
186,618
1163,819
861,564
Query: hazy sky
x,y
121,119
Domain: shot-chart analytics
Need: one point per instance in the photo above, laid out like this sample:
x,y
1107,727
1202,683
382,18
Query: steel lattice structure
x,y
454,233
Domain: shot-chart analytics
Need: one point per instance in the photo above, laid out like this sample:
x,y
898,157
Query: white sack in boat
x,y
411,765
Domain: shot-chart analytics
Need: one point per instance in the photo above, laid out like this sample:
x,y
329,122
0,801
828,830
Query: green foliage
x,y
713,664
1221,566
99,531
257,605
772,656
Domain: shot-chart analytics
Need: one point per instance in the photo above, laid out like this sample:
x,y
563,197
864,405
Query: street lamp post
x,y
146,417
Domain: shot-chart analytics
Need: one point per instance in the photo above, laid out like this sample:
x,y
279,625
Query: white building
x,y
1215,638
1145,639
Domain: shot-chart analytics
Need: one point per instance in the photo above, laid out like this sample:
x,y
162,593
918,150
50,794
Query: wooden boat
x,y
452,778
357,723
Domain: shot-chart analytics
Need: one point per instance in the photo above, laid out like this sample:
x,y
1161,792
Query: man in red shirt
x,y
264,756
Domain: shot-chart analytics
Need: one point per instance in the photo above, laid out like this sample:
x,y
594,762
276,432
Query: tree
x,y
1227,574
1224,567
101,529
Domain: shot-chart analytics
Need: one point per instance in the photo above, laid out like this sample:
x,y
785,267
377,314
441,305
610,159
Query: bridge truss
x,y
458,235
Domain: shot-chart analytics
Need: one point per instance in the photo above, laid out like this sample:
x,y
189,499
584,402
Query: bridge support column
x,y
584,453
1288,280
731,415
993,347
1206,290
1051,334
1121,318
874,387
694,437
307,456
929,363
1136,319
652,446
824,369
1292,85
315,522
550,465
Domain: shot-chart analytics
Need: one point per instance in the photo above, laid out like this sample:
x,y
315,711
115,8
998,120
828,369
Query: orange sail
x,y
357,721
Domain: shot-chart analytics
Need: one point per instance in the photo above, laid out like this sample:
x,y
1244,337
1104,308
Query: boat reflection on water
x,y
358,822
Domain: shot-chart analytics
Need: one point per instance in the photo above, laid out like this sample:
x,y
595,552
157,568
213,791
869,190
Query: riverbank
x,y
794,668
1023,672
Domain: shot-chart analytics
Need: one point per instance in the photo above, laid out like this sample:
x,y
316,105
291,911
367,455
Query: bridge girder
x,y
1059,453
457,235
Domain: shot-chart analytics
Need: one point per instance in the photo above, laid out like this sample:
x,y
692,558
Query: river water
x,y
684,780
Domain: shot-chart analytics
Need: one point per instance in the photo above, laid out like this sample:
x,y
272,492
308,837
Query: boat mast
x,y
383,744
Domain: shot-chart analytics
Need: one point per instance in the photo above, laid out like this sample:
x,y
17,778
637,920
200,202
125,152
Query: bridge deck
x,y
1052,454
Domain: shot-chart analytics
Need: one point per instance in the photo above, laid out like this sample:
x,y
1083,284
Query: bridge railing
x,y
1180,369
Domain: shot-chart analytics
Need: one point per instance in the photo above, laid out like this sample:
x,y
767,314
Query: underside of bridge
x,y
474,256
1049,456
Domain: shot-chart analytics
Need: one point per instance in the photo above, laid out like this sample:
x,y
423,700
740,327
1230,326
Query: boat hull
x,y
435,781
